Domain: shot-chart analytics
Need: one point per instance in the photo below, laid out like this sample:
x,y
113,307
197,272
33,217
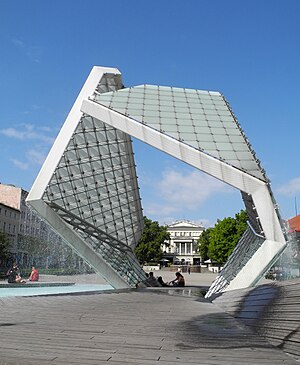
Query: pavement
x,y
193,279
151,326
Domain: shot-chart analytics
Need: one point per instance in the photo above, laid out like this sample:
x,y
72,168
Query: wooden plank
x,y
276,317
134,327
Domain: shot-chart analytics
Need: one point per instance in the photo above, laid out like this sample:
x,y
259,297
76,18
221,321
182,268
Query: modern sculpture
x,y
87,188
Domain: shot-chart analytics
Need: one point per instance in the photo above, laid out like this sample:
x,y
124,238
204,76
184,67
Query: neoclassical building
x,y
182,247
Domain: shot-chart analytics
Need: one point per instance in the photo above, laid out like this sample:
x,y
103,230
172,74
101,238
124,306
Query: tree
x,y
151,241
4,248
203,243
225,235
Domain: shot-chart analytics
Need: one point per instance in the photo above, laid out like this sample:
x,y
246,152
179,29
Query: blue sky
x,y
248,50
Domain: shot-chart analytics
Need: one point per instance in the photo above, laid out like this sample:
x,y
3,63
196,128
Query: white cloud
x,y
35,156
183,192
291,188
18,43
32,52
12,133
33,152
27,132
19,164
189,189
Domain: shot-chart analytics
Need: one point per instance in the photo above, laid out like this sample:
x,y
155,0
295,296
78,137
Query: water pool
x,y
22,290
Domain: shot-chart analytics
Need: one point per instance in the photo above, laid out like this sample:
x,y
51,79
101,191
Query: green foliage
x,y
4,248
203,243
225,235
35,246
149,246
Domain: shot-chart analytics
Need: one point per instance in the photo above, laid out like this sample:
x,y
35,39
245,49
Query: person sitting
x,y
34,275
14,275
179,280
151,280
161,282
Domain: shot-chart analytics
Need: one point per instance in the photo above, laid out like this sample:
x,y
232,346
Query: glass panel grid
x,y
162,108
86,190
245,249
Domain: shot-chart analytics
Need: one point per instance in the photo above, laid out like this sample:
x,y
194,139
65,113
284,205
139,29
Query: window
x,y
177,247
188,248
182,248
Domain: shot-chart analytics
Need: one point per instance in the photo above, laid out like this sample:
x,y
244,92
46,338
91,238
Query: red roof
x,y
295,223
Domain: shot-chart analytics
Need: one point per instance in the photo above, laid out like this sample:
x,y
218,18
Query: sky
x,y
247,50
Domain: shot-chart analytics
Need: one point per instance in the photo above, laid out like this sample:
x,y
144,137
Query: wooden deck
x,y
128,327
272,310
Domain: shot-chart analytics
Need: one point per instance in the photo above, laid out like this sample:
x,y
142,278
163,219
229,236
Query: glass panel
x,y
167,108
202,130
231,155
241,147
183,116
186,129
224,146
213,119
184,122
210,111
119,105
151,120
172,128
205,138
168,115
156,126
179,109
119,98
151,87
151,113
165,99
150,107
187,136
173,134
233,131
235,139
215,123
177,91
245,156
149,101
221,138
217,130
249,165
208,146
167,121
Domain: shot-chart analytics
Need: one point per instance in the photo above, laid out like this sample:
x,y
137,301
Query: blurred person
x,y
34,275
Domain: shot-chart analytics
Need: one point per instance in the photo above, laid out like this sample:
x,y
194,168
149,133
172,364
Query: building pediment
x,y
184,224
